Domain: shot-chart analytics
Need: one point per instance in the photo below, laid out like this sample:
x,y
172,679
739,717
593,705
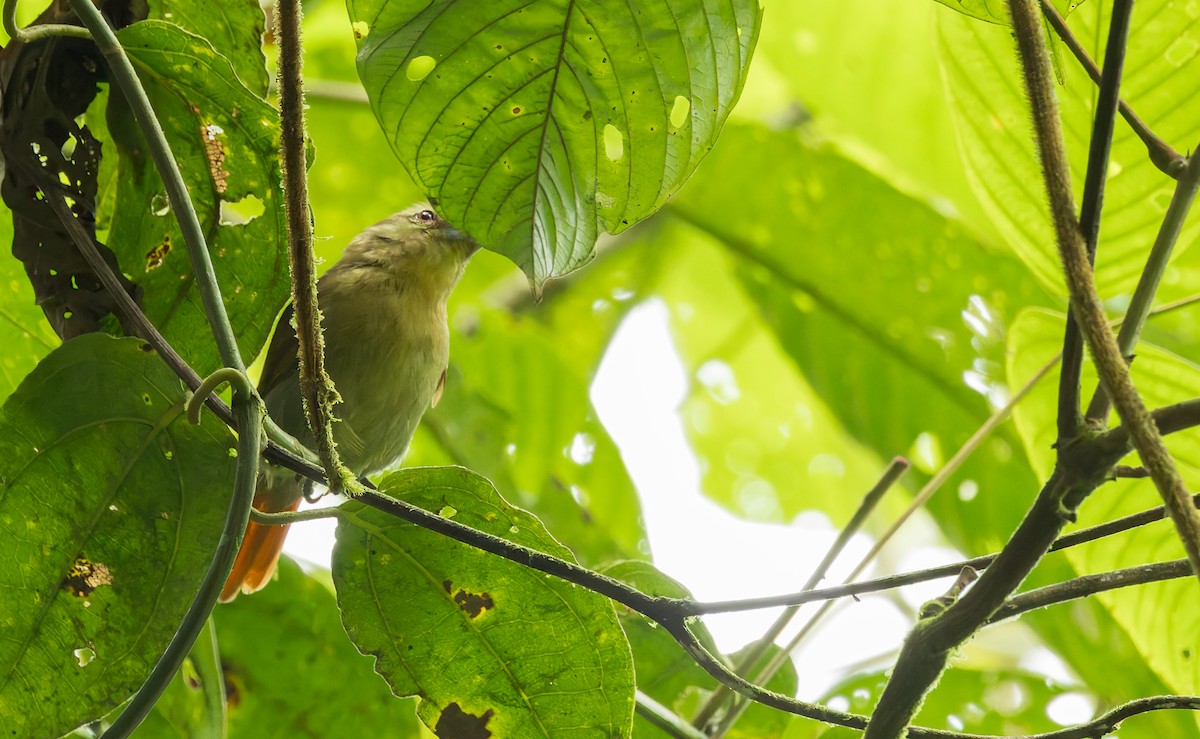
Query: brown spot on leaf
x,y
472,604
85,576
455,723
155,257
215,153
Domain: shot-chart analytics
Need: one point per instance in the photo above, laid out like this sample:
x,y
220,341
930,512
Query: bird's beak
x,y
454,234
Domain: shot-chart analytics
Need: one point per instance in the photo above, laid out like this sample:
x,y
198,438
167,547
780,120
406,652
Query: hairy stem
x,y
315,385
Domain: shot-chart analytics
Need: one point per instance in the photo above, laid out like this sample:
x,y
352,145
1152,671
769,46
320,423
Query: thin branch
x,y
665,719
286,518
890,476
1156,265
316,387
1082,587
1162,154
126,79
1069,420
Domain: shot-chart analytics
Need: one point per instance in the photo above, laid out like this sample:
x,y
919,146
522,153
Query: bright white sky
x,y
637,391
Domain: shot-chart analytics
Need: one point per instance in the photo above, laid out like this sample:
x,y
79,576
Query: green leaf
x,y
112,505
226,140
669,675
290,668
488,644
233,27
1164,634
538,125
992,118
24,332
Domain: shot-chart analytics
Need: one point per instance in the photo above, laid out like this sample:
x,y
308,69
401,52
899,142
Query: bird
x,y
387,345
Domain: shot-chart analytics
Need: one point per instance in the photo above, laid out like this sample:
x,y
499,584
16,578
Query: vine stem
x,y
1110,363
126,79
315,385
39,32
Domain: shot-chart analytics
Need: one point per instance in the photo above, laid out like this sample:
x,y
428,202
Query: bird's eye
x,y
427,217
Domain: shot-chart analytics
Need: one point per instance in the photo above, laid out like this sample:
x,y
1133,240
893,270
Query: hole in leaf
x,y
419,68
241,212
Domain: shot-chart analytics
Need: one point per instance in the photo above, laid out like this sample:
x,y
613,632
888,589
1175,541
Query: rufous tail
x,y
256,560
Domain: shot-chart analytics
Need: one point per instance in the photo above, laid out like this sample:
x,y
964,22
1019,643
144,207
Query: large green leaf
x,y
539,125
1161,81
233,27
896,320
873,86
111,505
226,140
489,645
291,671
1164,629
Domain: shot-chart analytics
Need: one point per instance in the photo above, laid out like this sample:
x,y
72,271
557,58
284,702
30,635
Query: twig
x,y
750,658
315,385
1082,587
126,79
1089,215
1162,155
1156,264
665,719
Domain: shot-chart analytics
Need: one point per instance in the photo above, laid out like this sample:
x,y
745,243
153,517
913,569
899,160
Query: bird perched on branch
x,y
387,345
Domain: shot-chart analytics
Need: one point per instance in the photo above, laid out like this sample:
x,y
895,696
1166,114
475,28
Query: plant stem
x,y
1162,155
315,385
1082,587
126,79
38,32
665,719
1089,215
1156,264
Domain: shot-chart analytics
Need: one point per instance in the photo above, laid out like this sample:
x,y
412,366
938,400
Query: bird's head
x,y
414,245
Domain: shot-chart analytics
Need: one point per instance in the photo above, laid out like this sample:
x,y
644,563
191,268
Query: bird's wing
x,y
437,391
282,360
